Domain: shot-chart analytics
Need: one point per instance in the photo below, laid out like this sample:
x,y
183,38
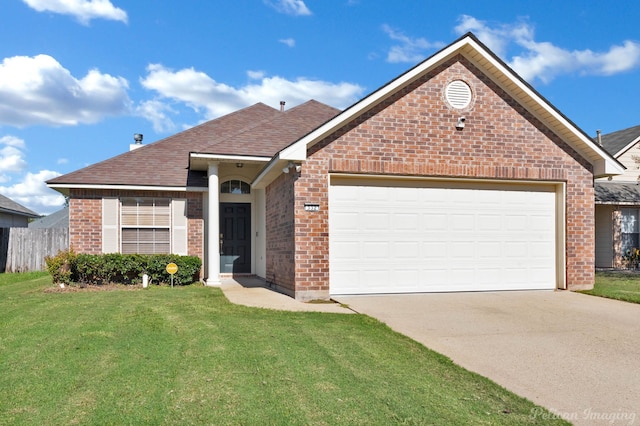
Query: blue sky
x,y
79,77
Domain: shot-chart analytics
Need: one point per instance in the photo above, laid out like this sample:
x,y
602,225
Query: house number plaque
x,y
311,207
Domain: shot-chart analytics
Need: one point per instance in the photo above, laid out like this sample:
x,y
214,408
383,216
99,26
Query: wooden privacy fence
x,y
24,249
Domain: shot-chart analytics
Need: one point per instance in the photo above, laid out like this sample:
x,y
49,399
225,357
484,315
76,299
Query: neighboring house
x,y
457,175
618,202
58,219
14,215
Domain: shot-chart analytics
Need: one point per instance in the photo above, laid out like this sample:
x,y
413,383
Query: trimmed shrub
x,y
61,266
188,268
123,268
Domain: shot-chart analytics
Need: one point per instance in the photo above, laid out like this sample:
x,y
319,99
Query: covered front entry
x,y
235,238
404,236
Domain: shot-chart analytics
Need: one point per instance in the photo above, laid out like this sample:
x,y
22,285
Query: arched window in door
x,y
235,187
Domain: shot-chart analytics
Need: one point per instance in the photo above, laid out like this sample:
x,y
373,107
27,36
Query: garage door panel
x,y
409,250
540,223
375,221
406,221
387,239
345,250
434,249
345,221
377,279
488,222
434,221
490,250
375,250
373,194
462,222
409,195
516,222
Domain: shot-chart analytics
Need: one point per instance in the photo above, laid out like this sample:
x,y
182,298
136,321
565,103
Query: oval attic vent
x,y
458,94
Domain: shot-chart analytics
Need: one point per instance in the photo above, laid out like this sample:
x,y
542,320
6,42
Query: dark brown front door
x,y
235,237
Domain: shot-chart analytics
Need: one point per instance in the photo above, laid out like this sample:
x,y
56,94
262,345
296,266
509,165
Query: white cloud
x,y
255,75
83,10
38,90
157,113
62,161
288,41
12,141
410,49
496,38
33,193
11,156
290,7
204,95
543,60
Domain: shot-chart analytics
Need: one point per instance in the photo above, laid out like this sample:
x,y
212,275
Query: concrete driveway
x,y
577,355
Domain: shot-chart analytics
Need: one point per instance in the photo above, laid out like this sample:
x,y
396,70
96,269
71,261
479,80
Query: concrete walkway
x,y
577,355
252,291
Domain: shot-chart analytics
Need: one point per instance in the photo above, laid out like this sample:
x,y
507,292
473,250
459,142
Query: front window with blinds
x,y
146,225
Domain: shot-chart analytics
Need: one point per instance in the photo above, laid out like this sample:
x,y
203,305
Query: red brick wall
x,y
414,134
85,218
280,233
85,222
195,225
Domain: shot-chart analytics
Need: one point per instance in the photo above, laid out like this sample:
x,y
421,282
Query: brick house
x,y
618,202
455,176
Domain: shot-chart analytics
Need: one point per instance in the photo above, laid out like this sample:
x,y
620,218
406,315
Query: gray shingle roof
x,y
59,219
625,193
9,206
616,141
258,130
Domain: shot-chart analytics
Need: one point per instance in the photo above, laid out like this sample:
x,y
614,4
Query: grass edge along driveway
x,y
187,356
618,285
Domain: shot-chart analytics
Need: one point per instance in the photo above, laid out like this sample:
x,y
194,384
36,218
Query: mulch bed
x,y
77,288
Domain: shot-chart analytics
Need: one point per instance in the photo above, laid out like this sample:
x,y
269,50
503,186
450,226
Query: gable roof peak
x,y
480,56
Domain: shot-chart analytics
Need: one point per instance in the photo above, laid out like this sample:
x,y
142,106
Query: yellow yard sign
x,y
172,268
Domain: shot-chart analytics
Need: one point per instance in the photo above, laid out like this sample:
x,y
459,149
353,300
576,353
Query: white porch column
x,y
213,236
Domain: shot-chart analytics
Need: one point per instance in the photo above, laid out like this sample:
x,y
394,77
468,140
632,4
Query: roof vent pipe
x,y
137,138
282,106
598,132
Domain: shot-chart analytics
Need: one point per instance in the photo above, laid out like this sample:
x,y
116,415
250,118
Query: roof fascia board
x,y
58,186
271,171
17,213
224,157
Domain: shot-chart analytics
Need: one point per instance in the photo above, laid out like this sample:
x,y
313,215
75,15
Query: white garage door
x,y
421,236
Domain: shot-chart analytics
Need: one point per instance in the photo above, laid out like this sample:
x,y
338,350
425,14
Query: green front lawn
x,y
187,356
617,285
